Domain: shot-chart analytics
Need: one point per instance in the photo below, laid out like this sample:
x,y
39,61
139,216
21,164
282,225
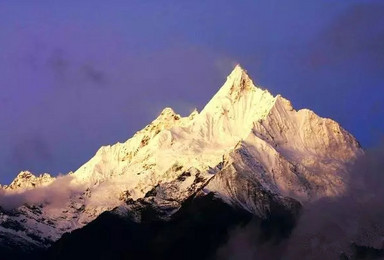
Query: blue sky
x,y
76,75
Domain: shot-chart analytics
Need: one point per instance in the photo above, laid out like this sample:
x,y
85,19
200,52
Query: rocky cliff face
x,y
249,148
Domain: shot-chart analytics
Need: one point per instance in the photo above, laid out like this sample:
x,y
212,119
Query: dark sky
x,y
75,75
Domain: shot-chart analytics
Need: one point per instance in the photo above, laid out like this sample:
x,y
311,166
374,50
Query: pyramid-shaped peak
x,y
240,96
239,75
238,81
238,71
238,84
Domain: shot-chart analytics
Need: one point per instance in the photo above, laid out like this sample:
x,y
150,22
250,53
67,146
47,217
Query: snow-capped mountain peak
x,y
230,114
248,147
26,180
238,85
238,82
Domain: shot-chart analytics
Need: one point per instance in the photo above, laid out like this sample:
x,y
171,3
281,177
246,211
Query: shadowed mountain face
x,y
196,231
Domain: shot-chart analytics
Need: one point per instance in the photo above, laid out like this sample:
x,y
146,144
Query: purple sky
x,y
76,75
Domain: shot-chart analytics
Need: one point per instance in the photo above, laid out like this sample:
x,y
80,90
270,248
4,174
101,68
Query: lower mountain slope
x,y
196,231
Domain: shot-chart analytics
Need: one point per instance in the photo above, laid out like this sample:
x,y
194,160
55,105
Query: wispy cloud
x,y
327,227
56,194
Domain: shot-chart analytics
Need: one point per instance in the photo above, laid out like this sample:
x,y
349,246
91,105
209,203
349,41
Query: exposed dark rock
x,y
196,231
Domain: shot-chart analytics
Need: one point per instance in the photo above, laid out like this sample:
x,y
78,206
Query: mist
x,y
329,227
56,194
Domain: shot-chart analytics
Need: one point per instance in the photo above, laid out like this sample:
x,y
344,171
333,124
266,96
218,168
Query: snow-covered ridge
x,y
26,180
244,135
199,140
